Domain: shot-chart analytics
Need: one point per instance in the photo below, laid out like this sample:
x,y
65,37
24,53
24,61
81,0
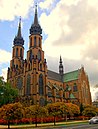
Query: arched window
x,y
41,85
31,55
75,87
30,41
39,55
19,85
40,66
21,52
16,52
35,41
28,86
39,42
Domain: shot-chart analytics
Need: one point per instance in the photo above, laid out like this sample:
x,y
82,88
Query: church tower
x,y
36,77
16,64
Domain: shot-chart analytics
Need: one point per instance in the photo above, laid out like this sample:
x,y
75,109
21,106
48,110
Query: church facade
x,y
33,79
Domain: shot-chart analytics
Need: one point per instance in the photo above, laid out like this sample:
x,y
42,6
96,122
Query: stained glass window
x,y
21,52
16,52
19,85
39,42
39,55
75,87
35,41
28,87
41,88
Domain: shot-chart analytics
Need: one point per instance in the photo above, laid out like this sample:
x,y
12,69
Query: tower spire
x,y
35,17
35,27
18,40
19,28
61,66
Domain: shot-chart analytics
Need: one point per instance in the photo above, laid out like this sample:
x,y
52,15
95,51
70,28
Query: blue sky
x,y
70,29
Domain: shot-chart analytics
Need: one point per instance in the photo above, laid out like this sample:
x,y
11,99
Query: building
x,y
33,79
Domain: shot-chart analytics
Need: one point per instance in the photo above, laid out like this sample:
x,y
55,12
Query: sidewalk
x,y
44,125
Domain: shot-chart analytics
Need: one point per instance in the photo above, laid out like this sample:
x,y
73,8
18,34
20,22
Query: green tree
x,y
81,108
90,111
8,94
11,112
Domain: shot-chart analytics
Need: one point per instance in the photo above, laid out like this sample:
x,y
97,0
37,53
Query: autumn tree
x,y
11,112
7,93
35,111
73,109
54,110
90,111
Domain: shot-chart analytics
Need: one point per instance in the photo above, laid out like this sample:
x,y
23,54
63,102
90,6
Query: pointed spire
x,y
18,40
35,27
61,67
35,17
19,28
60,60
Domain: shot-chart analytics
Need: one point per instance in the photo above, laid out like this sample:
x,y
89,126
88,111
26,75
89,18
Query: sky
x,y
70,29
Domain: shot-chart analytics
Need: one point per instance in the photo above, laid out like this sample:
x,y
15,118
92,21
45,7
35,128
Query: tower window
x,y
30,41
35,41
39,42
41,88
21,52
16,52
40,66
39,55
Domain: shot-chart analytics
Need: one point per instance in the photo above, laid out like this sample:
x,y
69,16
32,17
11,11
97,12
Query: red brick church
x,y
35,81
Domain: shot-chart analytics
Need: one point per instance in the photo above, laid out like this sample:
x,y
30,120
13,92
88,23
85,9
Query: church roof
x,y
71,76
54,76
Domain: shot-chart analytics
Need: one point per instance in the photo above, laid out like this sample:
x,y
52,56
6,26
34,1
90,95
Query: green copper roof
x,y
71,76
71,96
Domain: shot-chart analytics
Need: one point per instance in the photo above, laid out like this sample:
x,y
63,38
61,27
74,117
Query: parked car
x,y
93,120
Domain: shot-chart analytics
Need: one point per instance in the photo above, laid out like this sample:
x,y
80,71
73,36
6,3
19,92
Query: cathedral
x,y
36,82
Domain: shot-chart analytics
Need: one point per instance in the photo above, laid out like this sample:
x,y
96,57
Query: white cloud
x,y
10,9
4,56
72,32
46,4
4,73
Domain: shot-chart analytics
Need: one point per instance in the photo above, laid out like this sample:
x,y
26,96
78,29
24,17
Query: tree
x,y
81,108
73,109
11,112
7,93
90,111
35,111
54,110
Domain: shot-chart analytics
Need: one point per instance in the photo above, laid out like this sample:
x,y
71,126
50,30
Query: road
x,y
80,126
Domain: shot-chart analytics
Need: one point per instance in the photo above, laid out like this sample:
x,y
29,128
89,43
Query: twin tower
x,y
30,76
